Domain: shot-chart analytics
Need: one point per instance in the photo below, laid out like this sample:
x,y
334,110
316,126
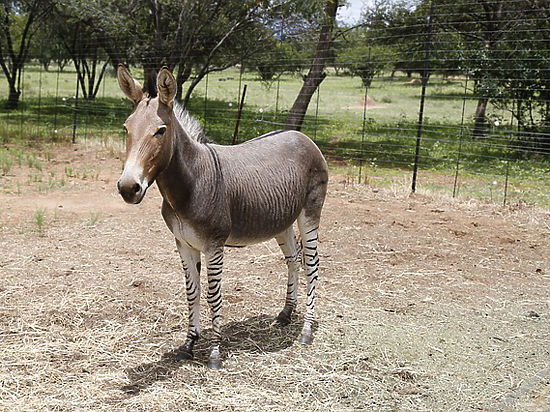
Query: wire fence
x,y
453,102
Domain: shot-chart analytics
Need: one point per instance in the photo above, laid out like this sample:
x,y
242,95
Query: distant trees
x,y
502,45
187,36
280,57
19,21
485,29
521,81
193,37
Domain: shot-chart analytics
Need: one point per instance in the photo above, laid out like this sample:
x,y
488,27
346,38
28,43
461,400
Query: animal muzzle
x,y
131,189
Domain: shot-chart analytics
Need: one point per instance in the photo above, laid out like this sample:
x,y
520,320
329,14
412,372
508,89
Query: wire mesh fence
x,y
457,91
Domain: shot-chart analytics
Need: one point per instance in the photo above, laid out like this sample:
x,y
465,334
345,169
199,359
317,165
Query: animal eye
x,y
160,131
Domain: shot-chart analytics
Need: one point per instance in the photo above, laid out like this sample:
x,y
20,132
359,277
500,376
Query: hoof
x,y
283,319
184,355
214,363
306,339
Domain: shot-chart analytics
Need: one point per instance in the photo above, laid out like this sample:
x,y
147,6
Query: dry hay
x,y
425,303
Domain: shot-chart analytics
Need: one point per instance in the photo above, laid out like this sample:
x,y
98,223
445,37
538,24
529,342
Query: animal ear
x,y
166,84
129,86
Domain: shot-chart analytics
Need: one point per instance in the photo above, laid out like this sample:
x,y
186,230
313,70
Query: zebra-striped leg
x,y
191,261
289,247
214,271
309,239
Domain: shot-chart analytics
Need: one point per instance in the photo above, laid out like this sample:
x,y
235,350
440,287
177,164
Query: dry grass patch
x,y
425,303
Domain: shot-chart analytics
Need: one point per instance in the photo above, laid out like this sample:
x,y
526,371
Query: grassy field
x,y
377,144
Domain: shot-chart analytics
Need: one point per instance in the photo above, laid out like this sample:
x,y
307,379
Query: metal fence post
x,y
362,154
205,101
508,150
460,139
423,97
316,114
39,95
75,116
56,96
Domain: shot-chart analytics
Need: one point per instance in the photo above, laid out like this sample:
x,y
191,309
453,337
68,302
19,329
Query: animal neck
x,y
177,181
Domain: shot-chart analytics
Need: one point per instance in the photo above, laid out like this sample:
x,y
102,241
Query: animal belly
x,y
235,241
259,225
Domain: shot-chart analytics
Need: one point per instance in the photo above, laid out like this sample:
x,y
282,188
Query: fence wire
x,y
481,127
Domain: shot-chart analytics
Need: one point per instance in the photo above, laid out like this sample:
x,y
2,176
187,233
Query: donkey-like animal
x,y
216,196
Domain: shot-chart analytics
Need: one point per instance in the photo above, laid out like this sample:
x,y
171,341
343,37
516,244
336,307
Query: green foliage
x,y
363,59
278,59
18,21
6,161
39,216
94,218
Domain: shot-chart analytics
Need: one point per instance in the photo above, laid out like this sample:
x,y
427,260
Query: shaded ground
x,y
424,304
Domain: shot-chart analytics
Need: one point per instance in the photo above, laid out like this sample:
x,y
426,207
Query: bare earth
x,y
425,303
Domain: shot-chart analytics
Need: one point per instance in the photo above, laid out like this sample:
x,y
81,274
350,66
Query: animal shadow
x,y
257,334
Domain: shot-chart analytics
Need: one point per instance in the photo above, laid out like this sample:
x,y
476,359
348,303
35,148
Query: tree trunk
x,y
480,122
316,73
13,98
184,72
192,86
150,81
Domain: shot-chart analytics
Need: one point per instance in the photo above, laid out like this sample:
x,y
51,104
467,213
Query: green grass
x,y
385,141
39,216
6,161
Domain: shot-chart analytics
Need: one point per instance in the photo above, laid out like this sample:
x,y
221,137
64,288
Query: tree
x,y
19,20
399,32
316,72
401,27
362,55
523,82
47,48
193,37
89,59
275,60
483,28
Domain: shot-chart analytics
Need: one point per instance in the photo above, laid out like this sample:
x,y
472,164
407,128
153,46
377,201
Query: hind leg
x,y
214,269
289,247
308,230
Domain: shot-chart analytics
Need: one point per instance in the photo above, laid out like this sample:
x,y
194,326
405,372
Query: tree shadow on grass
x,y
257,334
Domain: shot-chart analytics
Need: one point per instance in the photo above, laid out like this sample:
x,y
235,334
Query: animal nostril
x,y
136,188
118,186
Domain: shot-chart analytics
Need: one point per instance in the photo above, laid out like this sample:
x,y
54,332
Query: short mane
x,y
190,124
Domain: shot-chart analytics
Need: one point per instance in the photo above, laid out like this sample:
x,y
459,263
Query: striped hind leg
x,y
308,231
289,247
214,259
191,261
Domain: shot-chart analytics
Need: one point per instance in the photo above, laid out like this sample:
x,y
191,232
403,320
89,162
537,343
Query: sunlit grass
x,y
381,137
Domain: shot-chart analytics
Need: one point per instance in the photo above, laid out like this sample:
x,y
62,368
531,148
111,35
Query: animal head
x,y
149,141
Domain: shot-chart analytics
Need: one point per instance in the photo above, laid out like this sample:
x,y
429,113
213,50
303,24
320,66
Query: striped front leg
x,y
214,259
191,261
309,239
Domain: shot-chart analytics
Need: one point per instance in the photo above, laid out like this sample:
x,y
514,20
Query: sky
x,y
350,14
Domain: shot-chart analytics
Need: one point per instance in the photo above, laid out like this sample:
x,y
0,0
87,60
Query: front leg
x,y
191,261
214,260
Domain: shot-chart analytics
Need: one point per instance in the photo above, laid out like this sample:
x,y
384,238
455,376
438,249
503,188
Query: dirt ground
x,y
424,303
